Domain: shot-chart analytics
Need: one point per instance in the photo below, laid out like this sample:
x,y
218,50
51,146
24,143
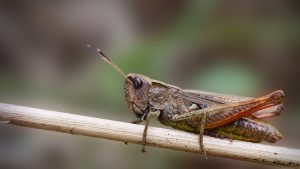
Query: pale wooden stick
x,y
158,137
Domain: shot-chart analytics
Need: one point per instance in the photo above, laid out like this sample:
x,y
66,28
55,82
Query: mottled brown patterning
x,y
218,115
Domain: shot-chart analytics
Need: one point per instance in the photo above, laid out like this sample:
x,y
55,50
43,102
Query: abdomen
x,y
246,129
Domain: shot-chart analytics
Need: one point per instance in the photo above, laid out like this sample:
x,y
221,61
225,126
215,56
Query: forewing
x,y
207,99
215,97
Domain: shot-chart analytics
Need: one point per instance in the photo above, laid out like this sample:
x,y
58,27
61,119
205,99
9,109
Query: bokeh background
x,y
246,48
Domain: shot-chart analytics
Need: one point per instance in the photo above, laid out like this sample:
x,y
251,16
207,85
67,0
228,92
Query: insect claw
x,y
205,156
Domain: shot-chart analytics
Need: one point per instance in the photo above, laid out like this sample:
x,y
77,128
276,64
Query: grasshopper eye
x,y
137,82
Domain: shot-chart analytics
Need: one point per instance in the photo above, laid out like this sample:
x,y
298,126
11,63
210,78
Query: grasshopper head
x,y
136,88
137,94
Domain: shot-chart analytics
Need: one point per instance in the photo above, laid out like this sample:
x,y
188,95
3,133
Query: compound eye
x,y
137,82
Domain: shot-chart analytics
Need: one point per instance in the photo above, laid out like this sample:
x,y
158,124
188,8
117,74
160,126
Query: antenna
x,y
107,60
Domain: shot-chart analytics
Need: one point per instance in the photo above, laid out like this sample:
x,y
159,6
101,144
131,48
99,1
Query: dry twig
x,y
158,137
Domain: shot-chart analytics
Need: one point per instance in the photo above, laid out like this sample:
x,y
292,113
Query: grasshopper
x,y
214,114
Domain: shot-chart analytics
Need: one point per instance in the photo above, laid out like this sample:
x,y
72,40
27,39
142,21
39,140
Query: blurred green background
x,y
246,48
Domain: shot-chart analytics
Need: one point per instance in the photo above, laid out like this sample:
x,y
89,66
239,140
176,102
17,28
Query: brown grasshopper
x,y
214,114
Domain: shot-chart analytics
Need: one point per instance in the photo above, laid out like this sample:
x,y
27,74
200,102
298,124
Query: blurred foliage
x,y
237,47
